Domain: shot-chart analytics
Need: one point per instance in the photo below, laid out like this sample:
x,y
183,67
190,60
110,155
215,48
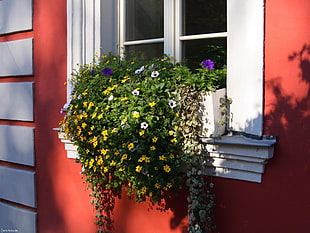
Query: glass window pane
x,y
204,16
195,51
144,19
145,51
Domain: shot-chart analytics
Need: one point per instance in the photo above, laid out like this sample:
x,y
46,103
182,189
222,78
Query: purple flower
x,y
92,72
208,64
107,71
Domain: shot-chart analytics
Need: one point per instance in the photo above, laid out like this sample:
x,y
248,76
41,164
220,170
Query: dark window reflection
x,y
144,19
204,16
145,51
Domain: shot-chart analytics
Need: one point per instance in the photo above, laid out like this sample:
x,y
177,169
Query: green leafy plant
x,y
130,120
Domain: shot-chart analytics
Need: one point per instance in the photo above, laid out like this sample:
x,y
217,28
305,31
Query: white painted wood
x,y
69,147
15,15
16,219
83,34
234,174
245,61
238,157
16,57
17,186
17,144
211,114
16,101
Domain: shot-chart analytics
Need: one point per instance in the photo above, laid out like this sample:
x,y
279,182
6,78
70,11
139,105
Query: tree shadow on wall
x,y
290,112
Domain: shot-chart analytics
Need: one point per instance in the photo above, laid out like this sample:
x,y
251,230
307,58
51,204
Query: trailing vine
x,y
200,198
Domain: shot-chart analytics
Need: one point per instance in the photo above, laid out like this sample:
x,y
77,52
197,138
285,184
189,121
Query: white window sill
x,y
239,157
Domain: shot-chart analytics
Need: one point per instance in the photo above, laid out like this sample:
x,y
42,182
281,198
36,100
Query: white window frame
x,y
95,22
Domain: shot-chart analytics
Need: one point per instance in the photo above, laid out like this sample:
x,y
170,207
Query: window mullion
x,y
169,28
178,30
122,27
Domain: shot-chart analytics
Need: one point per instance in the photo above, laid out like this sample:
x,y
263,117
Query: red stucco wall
x,y
63,203
280,204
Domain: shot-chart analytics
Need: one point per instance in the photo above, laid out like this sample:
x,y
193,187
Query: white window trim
x,y
245,65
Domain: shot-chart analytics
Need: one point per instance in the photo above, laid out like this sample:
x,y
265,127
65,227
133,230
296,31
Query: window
x,y
178,28
189,30
178,32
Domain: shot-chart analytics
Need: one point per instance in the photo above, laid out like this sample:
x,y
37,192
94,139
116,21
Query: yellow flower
x,y
169,185
105,169
138,168
143,190
104,151
154,139
124,157
100,161
170,132
136,114
91,162
167,168
152,148
84,125
91,104
105,133
100,116
124,98
174,140
157,185
152,104
141,132
171,156
130,146
162,157
113,163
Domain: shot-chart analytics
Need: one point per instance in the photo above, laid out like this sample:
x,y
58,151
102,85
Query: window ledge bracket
x,y
239,157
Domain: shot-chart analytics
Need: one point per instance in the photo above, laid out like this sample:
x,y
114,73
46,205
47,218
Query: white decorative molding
x,y
17,219
69,147
83,34
16,101
18,186
15,16
239,157
16,57
245,64
17,144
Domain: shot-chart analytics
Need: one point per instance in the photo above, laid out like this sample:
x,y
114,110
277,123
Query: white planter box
x,y
211,114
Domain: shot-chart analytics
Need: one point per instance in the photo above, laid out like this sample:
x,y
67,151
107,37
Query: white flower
x,y
144,125
65,107
172,104
111,97
139,71
154,74
135,92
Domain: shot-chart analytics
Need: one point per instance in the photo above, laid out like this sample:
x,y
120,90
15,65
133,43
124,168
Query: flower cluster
x,y
125,118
